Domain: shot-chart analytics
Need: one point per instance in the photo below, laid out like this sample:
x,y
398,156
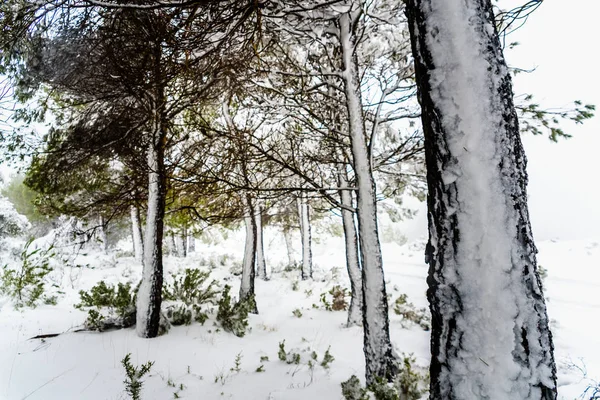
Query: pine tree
x,y
490,335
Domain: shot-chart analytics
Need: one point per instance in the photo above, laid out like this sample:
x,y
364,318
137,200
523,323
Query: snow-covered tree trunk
x,y
102,237
380,358
307,266
136,229
287,237
261,265
490,335
248,263
191,244
149,297
172,244
180,243
352,258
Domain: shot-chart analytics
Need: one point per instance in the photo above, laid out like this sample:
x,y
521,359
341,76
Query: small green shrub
x,y
335,299
26,284
189,293
352,389
410,384
412,314
297,313
327,358
288,357
233,317
133,382
109,306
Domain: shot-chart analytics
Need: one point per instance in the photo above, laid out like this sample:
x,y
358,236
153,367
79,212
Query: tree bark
x,y
287,236
352,258
490,337
248,263
261,265
380,358
191,244
149,297
136,228
181,243
307,265
102,237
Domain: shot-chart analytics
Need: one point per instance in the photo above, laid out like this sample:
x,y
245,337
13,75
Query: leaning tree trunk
x,y
352,260
248,263
261,265
307,265
136,228
490,335
380,358
149,295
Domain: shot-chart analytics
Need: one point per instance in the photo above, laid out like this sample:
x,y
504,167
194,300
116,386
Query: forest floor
x,y
199,361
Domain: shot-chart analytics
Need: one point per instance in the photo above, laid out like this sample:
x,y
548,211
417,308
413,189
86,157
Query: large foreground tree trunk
x,y
352,260
379,354
136,229
149,297
490,336
248,263
261,265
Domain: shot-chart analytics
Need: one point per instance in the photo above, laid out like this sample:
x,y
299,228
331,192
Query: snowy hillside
x,y
199,361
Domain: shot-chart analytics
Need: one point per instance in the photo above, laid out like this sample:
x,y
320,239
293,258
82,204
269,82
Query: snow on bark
x,y
136,229
180,242
149,296
352,260
191,244
379,354
307,265
248,263
490,334
287,236
261,265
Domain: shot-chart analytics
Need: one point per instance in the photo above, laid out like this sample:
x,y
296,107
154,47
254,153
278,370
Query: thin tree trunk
x,y
380,358
490,337
102,237
191,244
136,228
307,266
181,251
261,265
352,258
172,244
149,297
287,236
248,264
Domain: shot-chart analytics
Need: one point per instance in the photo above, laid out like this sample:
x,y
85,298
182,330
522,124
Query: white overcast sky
x,y
560,40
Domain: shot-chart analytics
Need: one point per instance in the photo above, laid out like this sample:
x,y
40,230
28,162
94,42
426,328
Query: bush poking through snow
x,y
335,299
189,293
26,284
233,317
109,306
352,389
133,382
412,314
410,384
287,357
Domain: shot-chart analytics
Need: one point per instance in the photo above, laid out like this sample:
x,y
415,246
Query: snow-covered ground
x,y
196,361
